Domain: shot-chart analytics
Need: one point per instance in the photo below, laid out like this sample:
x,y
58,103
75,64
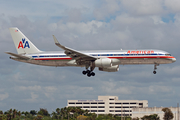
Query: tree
x,y
168,115
135,118
62,112
44,112
3,117
33,112
58,112
38,117
151,117
1,112
81,117
54,115
14,113
19,114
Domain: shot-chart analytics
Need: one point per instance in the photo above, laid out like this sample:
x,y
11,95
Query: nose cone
x,y
173,59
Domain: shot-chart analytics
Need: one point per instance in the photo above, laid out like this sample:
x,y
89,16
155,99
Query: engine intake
x,y
103,62
110,69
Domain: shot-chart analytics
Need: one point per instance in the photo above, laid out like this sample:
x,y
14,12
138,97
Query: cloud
x,y
107,8
4,96
32,99
172,5
143,7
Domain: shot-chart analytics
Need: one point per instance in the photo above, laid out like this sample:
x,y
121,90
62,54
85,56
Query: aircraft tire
x,y
89,75
84,72
93,74
154,72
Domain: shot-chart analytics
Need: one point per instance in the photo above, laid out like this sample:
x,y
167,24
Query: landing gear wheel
x,y
93,74
84,72
89,74
155,67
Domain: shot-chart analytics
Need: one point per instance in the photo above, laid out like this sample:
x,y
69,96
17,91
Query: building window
x,y
111,103
93,110
132,106
71,103
85,103
94,103
117,110
125,107
118,107
125,103
100,106
140,103
111,99
100,110
93,106
101,103
85,106
111,111
132,103
117,103
111,106
79,103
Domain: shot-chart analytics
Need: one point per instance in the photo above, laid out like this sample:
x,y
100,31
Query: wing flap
x,y
18,56
74,54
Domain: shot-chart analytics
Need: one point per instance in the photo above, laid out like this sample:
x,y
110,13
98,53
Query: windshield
x,y
168,54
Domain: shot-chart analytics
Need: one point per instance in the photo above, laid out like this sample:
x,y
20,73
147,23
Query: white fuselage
x,y
118,57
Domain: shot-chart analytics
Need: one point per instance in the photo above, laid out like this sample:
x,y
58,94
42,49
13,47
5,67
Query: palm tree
x,y
1,112
62,112
19,114
68,111
14,113
58,112
54,115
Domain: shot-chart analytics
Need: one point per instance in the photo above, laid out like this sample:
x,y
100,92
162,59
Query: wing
x,y
18,56
74,54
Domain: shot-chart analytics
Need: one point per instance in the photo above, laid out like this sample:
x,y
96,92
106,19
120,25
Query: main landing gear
x,y
155,67
90,72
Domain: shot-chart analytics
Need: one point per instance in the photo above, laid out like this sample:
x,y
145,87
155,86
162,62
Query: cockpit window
x,y
168,54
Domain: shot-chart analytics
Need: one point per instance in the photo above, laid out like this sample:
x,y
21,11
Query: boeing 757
x,y
106,60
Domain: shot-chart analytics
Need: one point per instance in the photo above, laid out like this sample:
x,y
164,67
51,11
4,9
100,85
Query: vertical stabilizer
x,y
22,43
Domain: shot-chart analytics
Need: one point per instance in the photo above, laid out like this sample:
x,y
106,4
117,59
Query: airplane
x,y
105,60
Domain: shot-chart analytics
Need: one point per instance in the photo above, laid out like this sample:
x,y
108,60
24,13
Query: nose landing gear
x,y
155,67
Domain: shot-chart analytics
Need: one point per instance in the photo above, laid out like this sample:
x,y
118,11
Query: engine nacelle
x,y
110,69
104,62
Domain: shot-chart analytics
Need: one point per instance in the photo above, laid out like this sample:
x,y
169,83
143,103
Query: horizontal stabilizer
x,y
18,56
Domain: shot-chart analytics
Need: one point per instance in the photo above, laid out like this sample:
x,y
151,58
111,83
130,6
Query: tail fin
x,y
22,43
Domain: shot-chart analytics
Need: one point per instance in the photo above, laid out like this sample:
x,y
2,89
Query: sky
x,y
89,25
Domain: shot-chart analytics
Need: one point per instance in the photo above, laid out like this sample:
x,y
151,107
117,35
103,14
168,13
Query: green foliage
x,y
151,117
135,118
168,115
3,117
43,111
33,112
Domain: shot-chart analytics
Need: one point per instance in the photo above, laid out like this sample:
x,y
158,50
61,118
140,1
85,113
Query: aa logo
x,y
23,43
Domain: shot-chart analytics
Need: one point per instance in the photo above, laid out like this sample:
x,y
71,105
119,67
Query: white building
x,y
140,112
109,104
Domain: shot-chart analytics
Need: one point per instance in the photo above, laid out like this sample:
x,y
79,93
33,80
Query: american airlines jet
x,y
108,61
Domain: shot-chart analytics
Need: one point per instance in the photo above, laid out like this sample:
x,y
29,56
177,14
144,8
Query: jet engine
x,y
103,62
114,68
